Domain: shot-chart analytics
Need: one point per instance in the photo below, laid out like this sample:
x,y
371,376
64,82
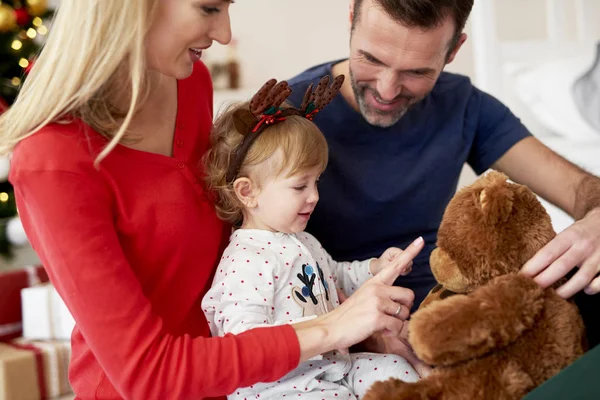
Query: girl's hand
x,y
387,258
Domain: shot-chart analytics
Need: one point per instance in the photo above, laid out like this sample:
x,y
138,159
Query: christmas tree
x,y
22,33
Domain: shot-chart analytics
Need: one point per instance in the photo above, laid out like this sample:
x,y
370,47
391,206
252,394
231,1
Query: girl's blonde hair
x,y
301,143
94,54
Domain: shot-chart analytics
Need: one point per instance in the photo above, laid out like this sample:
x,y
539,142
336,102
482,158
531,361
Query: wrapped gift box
x,y
45,315
11,284
34,370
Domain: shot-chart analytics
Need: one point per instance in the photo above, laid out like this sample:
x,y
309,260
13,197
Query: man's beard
x,y
382,119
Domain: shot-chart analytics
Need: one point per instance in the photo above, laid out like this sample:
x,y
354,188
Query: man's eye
x,y
210,10
372,59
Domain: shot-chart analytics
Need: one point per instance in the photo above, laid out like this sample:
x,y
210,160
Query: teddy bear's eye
x,y
446,293
437,288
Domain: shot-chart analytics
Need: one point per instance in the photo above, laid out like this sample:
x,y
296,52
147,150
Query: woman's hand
x,y
375,307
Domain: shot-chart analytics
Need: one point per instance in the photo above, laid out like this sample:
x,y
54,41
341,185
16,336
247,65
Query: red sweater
x,y
132,248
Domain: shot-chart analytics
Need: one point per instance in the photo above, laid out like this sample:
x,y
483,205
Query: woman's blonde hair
x,y
94,55
301,143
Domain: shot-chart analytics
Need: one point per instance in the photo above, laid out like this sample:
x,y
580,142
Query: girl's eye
x,y
300,188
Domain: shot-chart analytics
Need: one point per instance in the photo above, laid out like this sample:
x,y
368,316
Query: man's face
x,y
392,67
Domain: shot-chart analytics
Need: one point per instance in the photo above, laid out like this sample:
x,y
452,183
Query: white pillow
x,y
546,90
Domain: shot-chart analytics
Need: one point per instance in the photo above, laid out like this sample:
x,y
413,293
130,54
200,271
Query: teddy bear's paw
x,y
395,389
514,381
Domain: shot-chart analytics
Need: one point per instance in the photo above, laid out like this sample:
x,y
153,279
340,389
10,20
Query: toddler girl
x,y
263,167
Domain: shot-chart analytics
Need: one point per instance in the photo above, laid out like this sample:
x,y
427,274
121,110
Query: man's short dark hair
x,y
425,14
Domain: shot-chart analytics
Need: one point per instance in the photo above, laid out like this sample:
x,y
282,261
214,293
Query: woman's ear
x,y
246,191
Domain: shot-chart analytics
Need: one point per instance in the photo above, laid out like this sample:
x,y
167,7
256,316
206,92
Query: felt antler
x,y
264,111
315,101
271,95
264,103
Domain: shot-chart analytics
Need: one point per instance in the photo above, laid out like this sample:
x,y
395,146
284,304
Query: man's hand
x,y
578,245
388,257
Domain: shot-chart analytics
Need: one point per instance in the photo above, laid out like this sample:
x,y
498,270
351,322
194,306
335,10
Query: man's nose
x,y
388,86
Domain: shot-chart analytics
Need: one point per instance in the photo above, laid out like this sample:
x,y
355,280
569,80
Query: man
x,y
401,131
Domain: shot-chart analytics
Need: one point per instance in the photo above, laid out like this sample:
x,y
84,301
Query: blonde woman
x,y
107,135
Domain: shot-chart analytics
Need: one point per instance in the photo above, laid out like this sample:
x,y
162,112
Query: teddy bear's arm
x,y
467,326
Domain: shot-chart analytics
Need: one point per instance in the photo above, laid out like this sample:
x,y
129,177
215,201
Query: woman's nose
x,y
221,32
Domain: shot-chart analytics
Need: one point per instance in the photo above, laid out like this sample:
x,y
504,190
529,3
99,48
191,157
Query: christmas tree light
x,y
22,31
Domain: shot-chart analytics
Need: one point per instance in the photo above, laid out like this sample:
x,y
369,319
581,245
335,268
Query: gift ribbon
x,y
56,367
39,362
50,304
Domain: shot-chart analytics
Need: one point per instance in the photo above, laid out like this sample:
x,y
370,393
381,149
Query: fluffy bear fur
x,y
490,332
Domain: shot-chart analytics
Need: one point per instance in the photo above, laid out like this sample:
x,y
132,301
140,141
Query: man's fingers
x,y
558,269
594,287
582,279
546,256
389,274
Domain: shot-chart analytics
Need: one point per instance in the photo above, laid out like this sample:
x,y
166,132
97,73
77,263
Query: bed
x,y
541,79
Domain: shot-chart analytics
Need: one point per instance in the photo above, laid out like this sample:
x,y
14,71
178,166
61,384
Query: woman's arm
x,y
243,293
69,221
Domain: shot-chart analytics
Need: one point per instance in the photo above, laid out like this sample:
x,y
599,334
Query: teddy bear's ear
x,y
496,204
483,199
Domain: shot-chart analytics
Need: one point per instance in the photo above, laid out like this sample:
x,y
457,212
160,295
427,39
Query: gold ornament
x,y
37,7
8,18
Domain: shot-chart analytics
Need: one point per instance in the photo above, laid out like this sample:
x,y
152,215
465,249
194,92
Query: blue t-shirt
x,y
386,186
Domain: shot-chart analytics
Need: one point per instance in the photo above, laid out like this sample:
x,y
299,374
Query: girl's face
x,y
285,203
181,30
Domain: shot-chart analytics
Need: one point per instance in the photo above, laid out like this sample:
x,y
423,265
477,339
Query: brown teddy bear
x,y
490,332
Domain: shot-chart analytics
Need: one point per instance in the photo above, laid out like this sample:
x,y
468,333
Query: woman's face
x,y
181,30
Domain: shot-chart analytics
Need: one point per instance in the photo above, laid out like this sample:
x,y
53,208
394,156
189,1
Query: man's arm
x,y
576,192
557,180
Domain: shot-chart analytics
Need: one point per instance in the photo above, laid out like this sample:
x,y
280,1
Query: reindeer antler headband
x,y
264,111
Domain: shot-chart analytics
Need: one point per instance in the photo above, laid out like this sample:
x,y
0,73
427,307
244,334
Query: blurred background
x,y
539,57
